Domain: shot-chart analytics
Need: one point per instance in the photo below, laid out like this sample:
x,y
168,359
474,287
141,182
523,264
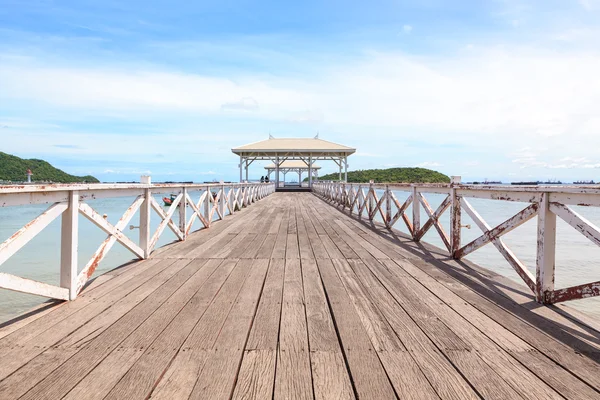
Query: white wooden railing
x,y
68,201
544,202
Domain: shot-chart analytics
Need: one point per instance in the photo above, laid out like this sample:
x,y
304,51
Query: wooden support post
x,y
345,169
69,245
371,201
388,206
145,211
310,172
246,170
222,202
207,207
276,172
416,211
546,246
241,163
455,222
182,213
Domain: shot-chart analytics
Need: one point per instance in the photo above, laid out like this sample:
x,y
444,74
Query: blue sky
x,y
499,89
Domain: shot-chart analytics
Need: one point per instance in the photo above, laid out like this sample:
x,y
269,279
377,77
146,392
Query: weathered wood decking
x,y
291,298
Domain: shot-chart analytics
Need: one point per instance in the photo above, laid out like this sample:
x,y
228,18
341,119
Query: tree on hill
x,y
13,168
391,175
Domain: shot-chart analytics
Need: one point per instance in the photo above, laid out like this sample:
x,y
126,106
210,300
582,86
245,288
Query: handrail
x,y
68,201
546,202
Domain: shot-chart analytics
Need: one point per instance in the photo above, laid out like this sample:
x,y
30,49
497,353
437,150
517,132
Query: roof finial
x,y
316,137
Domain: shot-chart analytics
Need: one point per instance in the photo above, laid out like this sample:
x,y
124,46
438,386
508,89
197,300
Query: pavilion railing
x,y
68,201
544,202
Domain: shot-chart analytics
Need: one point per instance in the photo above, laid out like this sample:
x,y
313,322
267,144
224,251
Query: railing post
x,y
371,202
455,218
388,206
222,202
182,212
145,210
207,202
69,245
546,246
416,211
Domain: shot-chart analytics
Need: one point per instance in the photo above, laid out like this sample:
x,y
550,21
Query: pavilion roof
x,y
298,147
295,164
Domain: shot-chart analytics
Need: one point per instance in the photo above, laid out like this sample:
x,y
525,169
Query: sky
x,y
501,90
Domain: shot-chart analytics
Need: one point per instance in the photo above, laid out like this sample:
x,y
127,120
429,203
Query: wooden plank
x,y
442,376
509,315
332,250
267,247
61,380
105,375
492,356
303,241
255,379
331,378
292,250
218,377
368,375
254,247
293,375
265,331
182,348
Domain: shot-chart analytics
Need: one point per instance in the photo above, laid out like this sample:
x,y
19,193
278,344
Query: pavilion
x,y
298,167
280,150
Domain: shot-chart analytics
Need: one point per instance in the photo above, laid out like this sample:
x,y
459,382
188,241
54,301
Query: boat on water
x,y
169,200
584,182
524,183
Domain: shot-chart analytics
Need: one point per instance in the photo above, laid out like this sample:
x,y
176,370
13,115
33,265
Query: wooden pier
x,y
293,298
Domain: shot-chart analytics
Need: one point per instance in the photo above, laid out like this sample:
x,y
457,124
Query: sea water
x,y
577,259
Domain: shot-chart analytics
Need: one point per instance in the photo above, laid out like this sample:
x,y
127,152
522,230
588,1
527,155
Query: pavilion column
x,y
340,164
277,172
346,169
310,171
246,170
241,162
300,177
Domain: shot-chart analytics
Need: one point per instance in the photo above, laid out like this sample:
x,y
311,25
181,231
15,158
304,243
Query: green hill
x,y
404,175
13,168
